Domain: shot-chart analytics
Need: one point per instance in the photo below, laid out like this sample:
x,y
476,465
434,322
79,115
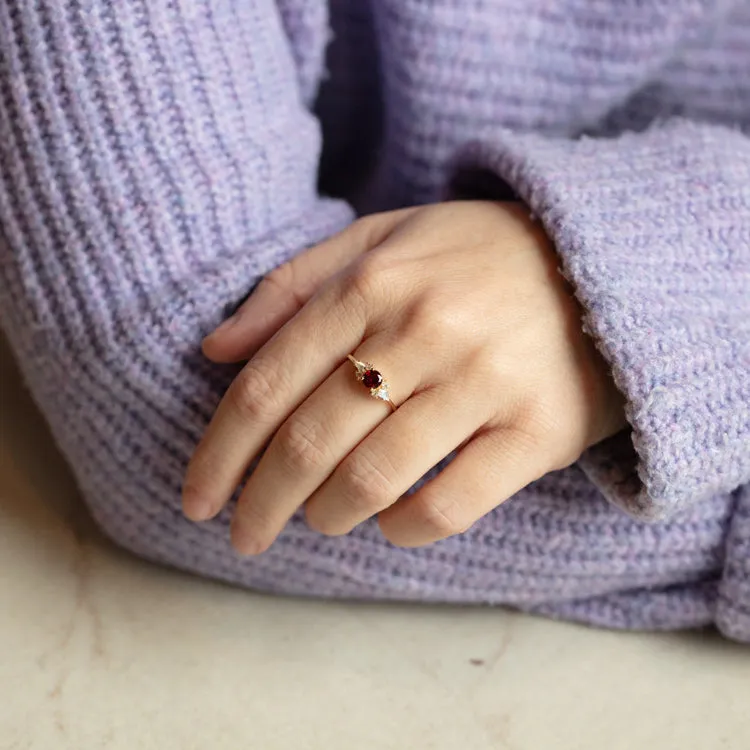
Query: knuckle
x,y
364,283
366,487
435,317
285,278
442,519
540,431
365,227
300,444
352,294
255,393
512,375
282,276
372,277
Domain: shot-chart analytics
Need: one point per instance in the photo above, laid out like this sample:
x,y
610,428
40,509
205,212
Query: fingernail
x,y
198,510
243,541
195,505
225,326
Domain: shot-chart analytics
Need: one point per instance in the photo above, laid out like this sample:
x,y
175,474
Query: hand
x,y
462,309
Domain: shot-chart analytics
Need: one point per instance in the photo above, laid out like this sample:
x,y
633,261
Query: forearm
x,y
156,161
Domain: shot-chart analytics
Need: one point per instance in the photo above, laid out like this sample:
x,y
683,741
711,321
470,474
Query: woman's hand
x,y
462,309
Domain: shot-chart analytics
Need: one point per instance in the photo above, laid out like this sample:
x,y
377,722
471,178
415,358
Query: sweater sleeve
x,y
156,159
652,230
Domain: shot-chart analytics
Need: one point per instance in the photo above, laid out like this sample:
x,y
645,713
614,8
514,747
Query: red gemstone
x,y
372,378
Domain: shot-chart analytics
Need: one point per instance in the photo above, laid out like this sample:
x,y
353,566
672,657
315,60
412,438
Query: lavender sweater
x,y
158,156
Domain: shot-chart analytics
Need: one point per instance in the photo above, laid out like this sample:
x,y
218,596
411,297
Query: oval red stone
x,y
372,378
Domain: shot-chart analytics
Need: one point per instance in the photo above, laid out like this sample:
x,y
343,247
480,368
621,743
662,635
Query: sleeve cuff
x,y
641,225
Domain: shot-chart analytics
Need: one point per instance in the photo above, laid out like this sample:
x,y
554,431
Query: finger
x,y
286,370
316,438
490,469
287,288
403,448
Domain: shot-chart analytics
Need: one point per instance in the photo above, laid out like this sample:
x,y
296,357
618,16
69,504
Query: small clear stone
x,y
383,393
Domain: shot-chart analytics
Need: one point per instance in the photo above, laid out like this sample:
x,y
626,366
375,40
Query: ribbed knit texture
x,y
158,156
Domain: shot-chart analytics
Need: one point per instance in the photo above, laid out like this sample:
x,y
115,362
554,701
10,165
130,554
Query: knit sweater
x,y
157,157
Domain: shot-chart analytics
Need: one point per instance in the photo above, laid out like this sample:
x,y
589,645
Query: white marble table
x,y
100,650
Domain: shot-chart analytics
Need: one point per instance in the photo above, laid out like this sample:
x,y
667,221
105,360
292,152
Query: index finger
x,y
290,366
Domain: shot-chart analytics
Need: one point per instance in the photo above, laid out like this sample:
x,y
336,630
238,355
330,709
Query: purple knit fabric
x,y
158,156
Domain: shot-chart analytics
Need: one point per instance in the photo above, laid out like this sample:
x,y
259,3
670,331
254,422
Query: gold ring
x,y
372,380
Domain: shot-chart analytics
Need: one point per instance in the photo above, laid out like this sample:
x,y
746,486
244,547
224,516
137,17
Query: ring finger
x,y
423,431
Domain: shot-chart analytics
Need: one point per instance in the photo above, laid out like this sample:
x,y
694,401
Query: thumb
x,y
288,287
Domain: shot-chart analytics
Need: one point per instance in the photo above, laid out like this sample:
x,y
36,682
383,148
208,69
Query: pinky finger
x,y
490,469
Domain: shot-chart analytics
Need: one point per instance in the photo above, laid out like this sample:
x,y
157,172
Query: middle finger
x,y
309,445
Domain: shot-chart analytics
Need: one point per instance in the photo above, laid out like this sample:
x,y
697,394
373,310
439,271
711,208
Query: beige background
x,y
100,650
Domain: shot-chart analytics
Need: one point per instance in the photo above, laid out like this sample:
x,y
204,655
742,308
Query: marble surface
x,y
101,650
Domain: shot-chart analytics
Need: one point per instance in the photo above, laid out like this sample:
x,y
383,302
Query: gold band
x,y
372,380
